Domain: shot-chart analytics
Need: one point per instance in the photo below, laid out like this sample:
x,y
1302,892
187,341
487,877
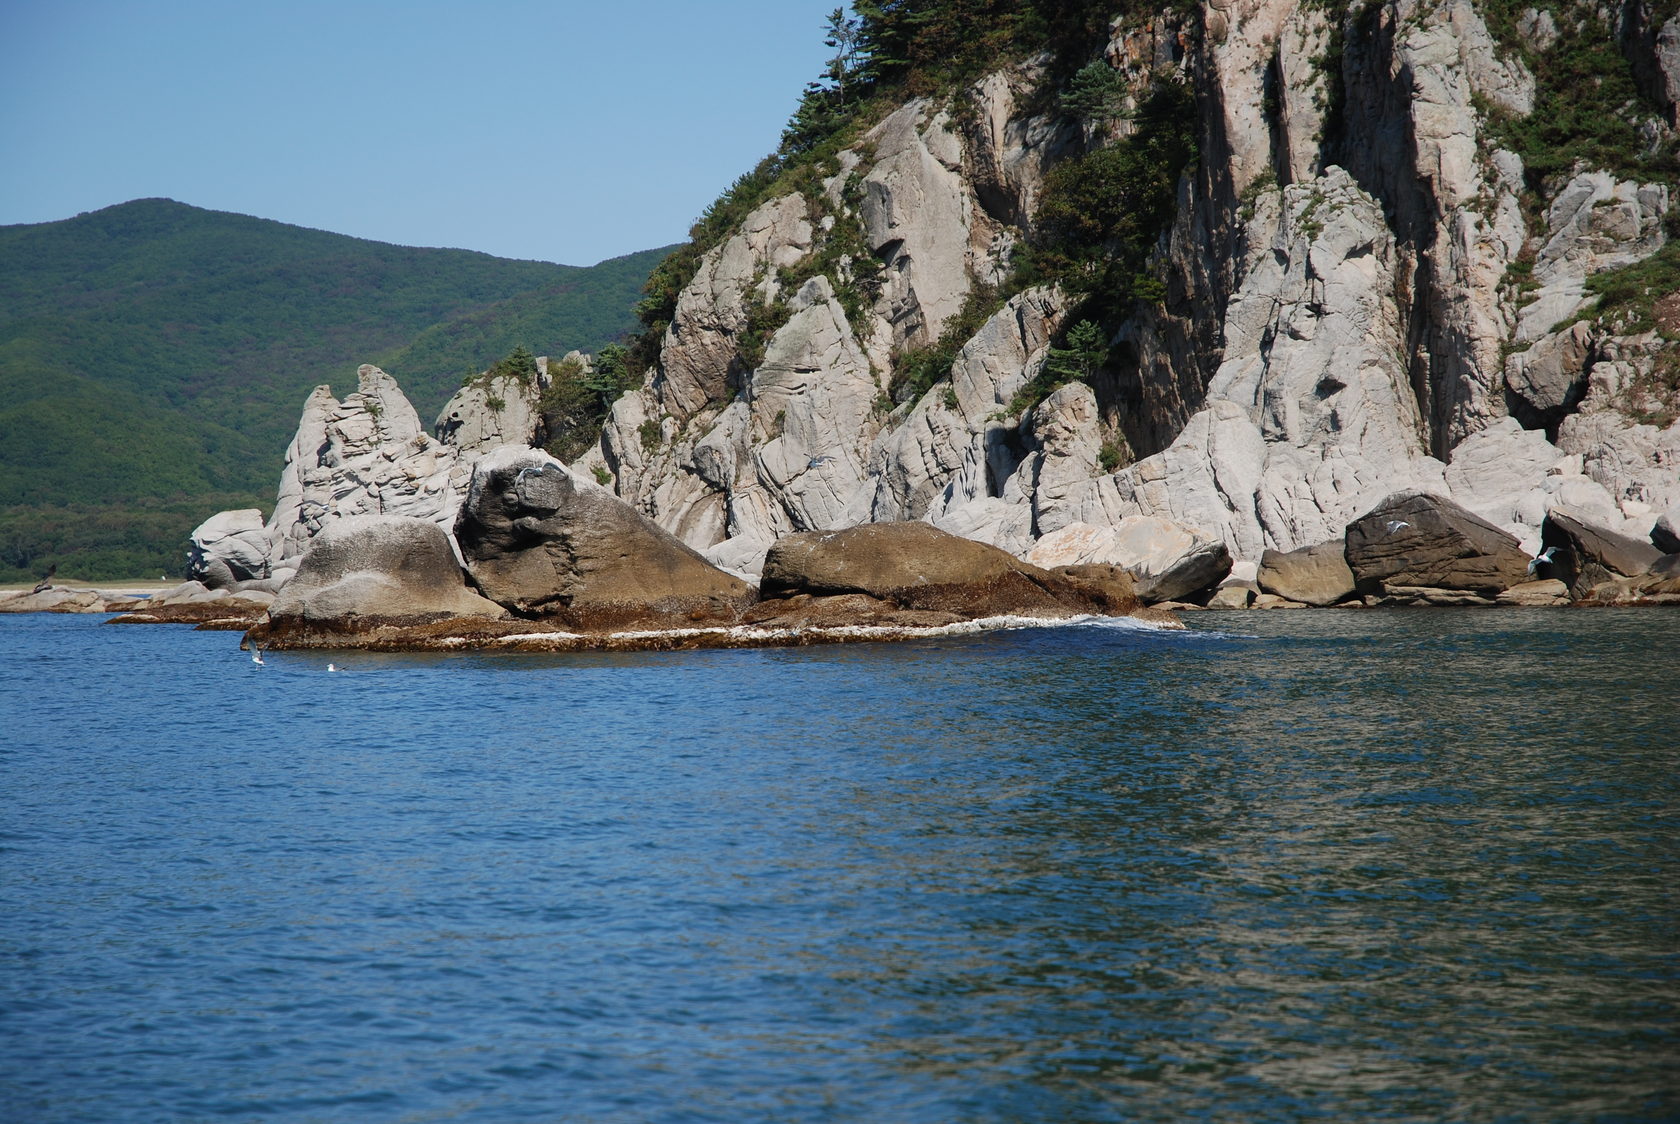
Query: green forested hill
x,y
154,358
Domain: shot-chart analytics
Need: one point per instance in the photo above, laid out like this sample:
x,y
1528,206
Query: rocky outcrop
x,y
1355,306
1549,378
956,450
230,547
1583,556
703,341
1166,562
1310,418
366,455
544,542
1595,223
1362,295
914,566
587,572
363,574
1665,535
1635,459
1413,546
53,601
493,409
1313,575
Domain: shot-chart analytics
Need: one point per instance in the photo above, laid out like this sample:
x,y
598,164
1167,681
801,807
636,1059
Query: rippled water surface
x,y
1287,866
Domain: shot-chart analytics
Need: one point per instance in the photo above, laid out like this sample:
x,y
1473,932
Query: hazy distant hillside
x,y
154,356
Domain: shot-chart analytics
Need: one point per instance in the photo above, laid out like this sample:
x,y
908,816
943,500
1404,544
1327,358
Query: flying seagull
x,y
1395,526
1544,558
256,656
818,462
46,579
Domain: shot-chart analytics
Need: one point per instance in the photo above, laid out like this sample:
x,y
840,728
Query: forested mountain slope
x,y
153,358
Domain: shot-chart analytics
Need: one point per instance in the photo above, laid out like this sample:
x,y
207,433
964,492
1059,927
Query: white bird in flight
x,y
1544,558
1395,526
256,657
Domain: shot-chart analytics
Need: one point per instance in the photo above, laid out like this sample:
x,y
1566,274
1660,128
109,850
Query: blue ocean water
x,y
1364,865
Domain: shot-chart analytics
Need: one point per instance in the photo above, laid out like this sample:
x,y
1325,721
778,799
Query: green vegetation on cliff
x,y
154,357
1101,216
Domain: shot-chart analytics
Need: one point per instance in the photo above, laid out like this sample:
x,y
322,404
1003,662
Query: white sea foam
x,y
756,636
752,633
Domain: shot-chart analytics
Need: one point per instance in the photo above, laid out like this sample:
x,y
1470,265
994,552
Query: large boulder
x,y
1550,377
1660,585
1665,535
541,540
1413,540
370,571
1167,561
230,547
1312,575
53,601
917,566
1583,555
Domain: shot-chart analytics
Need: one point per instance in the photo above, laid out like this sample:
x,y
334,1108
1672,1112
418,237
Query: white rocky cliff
x,y
1361,291
1341,320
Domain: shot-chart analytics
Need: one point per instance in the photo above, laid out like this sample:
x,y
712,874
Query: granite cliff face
x,y
1360,288
1365,292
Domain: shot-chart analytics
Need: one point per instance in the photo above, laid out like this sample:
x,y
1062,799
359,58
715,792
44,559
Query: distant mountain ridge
x,y
154,356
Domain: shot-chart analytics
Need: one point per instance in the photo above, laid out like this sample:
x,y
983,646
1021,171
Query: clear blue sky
x,y
565,131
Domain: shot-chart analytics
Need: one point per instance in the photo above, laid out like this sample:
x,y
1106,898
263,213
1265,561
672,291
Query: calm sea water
x,y
1339,866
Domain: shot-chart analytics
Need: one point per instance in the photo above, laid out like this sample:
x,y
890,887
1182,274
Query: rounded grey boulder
x,y
375,569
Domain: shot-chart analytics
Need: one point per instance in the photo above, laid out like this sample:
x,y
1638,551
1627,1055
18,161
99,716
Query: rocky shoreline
x,y
540,559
